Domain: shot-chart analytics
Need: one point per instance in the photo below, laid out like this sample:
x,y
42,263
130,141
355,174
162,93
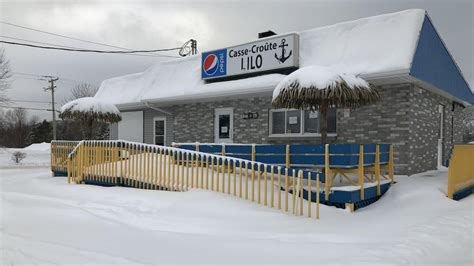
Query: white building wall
x,y
131,126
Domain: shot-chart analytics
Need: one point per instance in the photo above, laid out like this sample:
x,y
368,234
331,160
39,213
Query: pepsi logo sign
x,y
214,63
210,64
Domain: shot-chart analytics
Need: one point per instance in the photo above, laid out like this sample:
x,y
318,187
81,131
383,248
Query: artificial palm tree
x,y
318,88
89,110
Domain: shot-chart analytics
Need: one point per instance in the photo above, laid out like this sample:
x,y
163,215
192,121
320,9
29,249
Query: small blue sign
x,y
214,63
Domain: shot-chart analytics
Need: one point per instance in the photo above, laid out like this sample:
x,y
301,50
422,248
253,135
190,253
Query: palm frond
x,y
339,94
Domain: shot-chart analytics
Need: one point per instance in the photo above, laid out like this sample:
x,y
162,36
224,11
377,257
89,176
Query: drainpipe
x,y
453,109
156,108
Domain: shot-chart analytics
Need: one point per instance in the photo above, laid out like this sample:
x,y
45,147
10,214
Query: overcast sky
x,y
161,24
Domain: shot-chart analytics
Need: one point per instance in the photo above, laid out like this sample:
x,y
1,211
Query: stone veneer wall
x,y
385,122
195,122
407,116
424,129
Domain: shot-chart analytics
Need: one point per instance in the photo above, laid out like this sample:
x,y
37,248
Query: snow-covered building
x,y
225,95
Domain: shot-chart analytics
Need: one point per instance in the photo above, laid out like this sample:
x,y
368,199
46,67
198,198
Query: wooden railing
x,y
59,154
461,171
173,169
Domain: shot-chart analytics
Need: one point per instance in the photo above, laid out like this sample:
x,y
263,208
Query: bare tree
x,y
18,156
82,90
15,128
4,76
69,128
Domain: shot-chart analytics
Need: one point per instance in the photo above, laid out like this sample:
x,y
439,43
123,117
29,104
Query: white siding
x,y
131,126
113,131
149,115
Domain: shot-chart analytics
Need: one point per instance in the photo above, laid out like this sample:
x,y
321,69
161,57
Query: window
x,y
293,122
159,130
290,122
311,122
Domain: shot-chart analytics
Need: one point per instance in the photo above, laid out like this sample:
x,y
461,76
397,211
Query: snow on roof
x,y
181,79
368,46
90,104
379,44
119,90
318,78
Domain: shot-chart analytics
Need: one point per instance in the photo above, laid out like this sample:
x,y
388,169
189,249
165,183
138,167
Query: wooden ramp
x,y
137,165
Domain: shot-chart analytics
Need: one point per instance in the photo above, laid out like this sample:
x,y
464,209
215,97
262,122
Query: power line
x,y
89,50
26,74
29,101
63,36
181,49
72,82
42,76
27,108
72,47
66,81
20,39
28,78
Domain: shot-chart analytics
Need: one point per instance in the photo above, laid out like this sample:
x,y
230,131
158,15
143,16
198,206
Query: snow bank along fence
x,y
461,171
123,163
59,153
369,162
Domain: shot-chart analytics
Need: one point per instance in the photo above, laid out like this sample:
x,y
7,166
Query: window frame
x,y
301,133
159,118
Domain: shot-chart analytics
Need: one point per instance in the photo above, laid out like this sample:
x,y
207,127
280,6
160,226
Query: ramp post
x,y
327,172
377,167
361,171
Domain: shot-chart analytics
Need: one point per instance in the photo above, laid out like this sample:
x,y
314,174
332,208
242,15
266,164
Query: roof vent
x,y
265,34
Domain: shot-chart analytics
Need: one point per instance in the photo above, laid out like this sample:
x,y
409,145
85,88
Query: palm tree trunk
x,y
323,121
83,124
87,126
91,128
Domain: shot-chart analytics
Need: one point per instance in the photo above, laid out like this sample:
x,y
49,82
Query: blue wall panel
x,y
433,64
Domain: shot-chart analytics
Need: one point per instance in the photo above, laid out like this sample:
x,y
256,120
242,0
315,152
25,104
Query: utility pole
x,y
51,88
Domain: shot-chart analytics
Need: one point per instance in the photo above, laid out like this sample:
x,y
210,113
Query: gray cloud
x,y
156,24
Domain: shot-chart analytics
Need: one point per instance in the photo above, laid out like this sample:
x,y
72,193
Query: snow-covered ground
x,y
46,220
37,155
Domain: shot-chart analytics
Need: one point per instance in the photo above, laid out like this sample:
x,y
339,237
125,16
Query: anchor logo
x,y
283,58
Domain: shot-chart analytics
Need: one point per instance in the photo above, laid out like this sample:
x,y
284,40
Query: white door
x,y
440,134
223,125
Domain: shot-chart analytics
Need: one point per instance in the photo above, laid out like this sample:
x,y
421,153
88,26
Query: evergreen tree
x,y
41,132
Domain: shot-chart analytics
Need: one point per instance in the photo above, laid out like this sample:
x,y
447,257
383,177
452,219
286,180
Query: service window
x,y
160,131
288,122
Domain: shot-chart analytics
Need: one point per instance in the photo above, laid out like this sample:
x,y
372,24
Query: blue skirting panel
x,y
59,173
463,193
339,198
115,182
